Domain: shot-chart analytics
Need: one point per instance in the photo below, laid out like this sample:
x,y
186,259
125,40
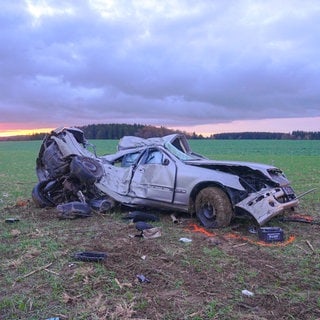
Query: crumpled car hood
x,y
239,168
217,163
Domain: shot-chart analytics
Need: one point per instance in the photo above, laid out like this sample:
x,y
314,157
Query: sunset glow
x,y
160,63
10,133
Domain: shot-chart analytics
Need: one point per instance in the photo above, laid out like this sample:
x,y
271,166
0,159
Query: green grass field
x,y
300,160
201,280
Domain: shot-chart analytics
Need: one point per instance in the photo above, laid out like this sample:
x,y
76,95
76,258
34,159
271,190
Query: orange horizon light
x,y
23,132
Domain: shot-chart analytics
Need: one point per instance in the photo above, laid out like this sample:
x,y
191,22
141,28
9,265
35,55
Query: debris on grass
x,y
152,233
174,218
142,278
247,293
136,216
271,234
185,240
12,220
88,256
73,210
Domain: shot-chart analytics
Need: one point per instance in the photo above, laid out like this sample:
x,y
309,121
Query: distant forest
x,y
117,131
295,135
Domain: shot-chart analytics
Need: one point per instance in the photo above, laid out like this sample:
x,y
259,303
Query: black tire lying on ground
x,y
87,170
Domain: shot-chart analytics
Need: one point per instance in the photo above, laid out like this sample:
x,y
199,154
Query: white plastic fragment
x,y
247,293
185,240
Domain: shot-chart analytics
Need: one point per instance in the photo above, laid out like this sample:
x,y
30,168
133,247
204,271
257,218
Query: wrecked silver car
x,y
159,173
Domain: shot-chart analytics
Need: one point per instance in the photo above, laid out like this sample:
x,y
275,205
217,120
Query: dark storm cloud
x,y
174,63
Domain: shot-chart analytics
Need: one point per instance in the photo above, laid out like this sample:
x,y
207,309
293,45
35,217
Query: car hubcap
x,y
209,212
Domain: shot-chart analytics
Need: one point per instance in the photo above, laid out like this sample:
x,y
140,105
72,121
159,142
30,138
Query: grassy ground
x,y
202,279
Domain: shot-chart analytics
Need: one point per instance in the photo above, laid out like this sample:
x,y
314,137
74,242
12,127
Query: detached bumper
x,y
267,203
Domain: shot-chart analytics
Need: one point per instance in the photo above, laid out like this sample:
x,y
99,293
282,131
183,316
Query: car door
x,y
118,174
154,177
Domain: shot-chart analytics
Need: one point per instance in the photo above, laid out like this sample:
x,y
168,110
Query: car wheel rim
x,y
209,212
90,166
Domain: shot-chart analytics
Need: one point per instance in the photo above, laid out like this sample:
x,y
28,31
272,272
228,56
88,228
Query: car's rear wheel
x,y
39,195
213,208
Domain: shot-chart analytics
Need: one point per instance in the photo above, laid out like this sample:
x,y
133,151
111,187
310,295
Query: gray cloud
x,y
164,63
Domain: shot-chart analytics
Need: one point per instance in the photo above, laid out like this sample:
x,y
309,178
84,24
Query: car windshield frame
x,y
180,154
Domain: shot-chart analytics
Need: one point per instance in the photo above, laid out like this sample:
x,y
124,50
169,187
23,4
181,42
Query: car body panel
x,y
165,173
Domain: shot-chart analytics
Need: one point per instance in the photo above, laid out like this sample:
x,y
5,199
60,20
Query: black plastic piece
x,y
136,216
90,256
12,220
141,225
142,278
75,209
271,234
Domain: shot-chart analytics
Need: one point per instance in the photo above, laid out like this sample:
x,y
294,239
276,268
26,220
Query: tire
x,y
39,196
213,208
87,170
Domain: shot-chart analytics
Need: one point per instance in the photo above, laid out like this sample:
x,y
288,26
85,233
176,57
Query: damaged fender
x,y
266,203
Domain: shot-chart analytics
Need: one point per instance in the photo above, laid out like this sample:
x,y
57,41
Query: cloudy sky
x,y
206,66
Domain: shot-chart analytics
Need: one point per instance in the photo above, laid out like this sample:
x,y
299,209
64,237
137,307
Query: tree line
x,y
117,131
295,135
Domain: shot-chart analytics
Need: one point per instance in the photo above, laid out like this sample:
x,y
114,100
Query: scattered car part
x,y
174,218
101,205
306,192
271,234
247,293
161,173
151,233
185,240
142,278
300,218
12,220
73,210
136,216
90,256
141,225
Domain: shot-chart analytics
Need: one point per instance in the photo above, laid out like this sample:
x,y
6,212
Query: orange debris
x,y
195,228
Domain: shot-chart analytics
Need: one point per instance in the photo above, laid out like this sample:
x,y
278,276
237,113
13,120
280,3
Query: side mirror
x,y
165,161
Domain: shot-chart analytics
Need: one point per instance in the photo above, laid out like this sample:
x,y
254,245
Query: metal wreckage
x,y
156,173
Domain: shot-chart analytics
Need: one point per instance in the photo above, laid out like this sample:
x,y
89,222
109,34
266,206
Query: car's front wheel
x,y
213,208
86,169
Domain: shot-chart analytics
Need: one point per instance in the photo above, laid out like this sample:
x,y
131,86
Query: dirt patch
x,y
203,279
